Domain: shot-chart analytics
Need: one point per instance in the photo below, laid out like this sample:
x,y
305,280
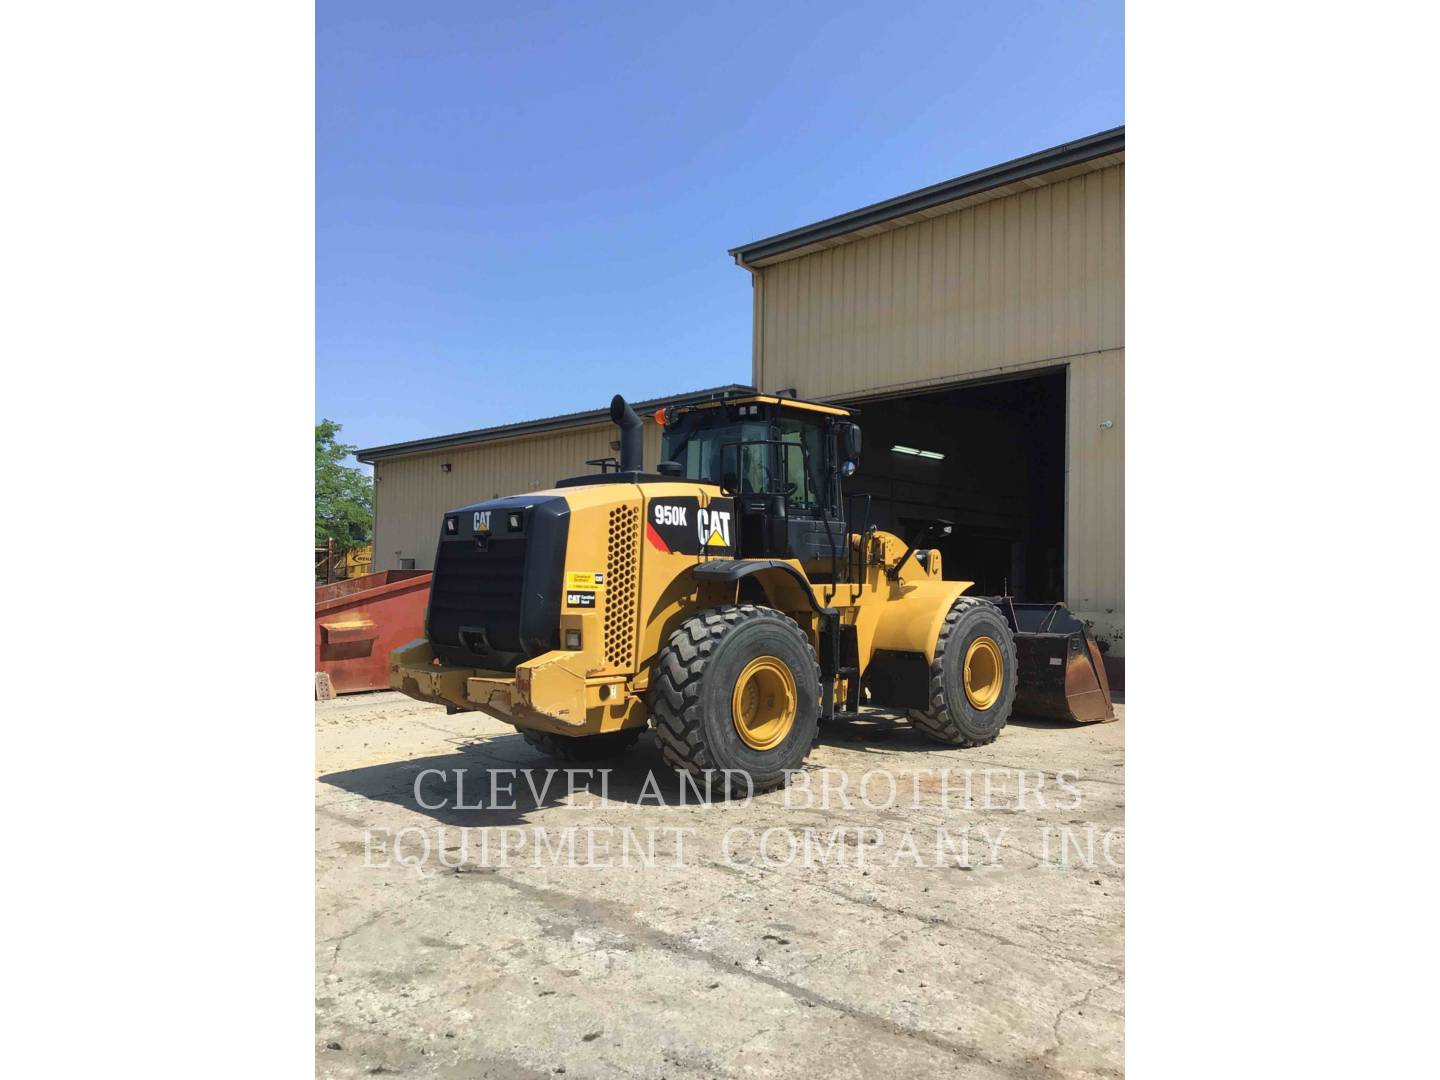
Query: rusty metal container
x,y
359,620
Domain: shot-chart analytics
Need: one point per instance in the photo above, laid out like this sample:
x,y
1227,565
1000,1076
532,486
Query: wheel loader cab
x,y
782,461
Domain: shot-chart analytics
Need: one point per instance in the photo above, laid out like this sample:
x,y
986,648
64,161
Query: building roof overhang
x,y
1090,154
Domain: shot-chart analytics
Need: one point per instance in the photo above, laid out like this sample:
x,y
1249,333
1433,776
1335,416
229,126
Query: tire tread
x,y
936,721
675,695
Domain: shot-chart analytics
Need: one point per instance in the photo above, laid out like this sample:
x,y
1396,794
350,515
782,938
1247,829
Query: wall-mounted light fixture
x,y
933,455
445,466
1106,425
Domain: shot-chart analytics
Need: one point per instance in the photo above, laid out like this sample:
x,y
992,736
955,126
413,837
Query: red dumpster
x,y
359,620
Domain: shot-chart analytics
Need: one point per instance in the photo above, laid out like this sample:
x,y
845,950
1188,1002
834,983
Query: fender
x,y
732,570
911,621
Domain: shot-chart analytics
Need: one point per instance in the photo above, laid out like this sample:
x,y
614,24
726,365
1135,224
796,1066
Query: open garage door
x,y
989,457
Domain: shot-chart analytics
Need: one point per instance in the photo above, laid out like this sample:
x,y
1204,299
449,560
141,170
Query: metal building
x,y
981,322
978,324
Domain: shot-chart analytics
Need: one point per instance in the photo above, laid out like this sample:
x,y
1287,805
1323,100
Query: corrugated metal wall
x,y
1095,493
412,493
1023,281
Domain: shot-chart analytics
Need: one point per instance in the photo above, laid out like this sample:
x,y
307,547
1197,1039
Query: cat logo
x,y
482,521
714,528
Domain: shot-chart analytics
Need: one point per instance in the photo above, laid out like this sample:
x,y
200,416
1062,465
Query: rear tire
x,y
582,747
737,688
972,679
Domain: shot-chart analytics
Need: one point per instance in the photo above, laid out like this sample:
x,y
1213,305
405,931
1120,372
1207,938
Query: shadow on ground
x,y
501,780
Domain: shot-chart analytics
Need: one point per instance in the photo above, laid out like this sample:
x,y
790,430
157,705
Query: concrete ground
x,y
966,921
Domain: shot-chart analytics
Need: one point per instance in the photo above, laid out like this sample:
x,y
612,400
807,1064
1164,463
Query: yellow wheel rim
x,y
984,673
764,703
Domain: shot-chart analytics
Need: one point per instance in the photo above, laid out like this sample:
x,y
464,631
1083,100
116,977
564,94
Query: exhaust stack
x,y
632,444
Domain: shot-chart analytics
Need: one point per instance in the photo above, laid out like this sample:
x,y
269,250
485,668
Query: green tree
x,y
344,496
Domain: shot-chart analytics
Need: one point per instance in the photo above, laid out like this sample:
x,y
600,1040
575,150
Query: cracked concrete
x,y
874,958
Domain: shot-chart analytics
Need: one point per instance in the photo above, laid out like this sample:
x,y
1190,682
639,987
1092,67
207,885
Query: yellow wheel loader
x,y
733,600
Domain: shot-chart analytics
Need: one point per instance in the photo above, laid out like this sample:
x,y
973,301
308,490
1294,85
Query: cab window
x,y
802,461
708,452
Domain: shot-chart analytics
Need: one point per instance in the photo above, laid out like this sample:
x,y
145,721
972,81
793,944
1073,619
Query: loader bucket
x,y
1061,671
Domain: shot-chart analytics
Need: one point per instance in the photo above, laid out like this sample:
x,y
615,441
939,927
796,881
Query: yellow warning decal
x,y
585,579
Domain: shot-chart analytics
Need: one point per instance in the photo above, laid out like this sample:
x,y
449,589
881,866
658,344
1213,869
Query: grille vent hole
x,y
620,586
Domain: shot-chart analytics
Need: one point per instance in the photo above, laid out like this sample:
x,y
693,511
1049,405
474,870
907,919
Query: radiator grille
x,y
479,588
621,582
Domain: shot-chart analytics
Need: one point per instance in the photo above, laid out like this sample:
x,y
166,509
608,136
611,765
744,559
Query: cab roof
x,y
767,399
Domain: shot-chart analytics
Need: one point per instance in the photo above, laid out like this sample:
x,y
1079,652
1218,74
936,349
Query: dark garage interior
x,y
988,457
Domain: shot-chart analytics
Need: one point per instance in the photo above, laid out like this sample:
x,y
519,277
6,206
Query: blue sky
x,y
524,208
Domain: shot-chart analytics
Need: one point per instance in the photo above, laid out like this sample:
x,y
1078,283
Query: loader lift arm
x,y
934,531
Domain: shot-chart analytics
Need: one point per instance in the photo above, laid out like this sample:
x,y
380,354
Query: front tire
x,y
972,679
737,688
